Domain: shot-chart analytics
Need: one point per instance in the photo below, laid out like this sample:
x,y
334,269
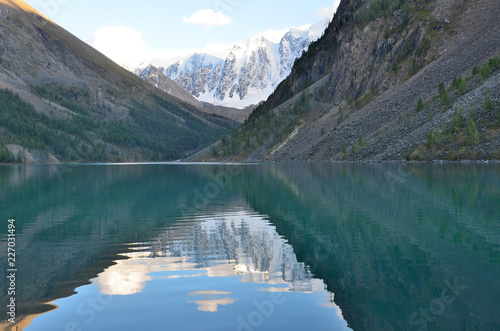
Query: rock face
x,y
157,78
248,75
31,157
354,94
196,74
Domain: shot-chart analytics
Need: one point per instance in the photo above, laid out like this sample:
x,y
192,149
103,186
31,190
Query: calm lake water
x,y
253,247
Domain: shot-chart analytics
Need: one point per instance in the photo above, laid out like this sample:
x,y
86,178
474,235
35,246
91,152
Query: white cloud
x,y
166,57
127,48
273,35
218,49
122,44
207,18
328,12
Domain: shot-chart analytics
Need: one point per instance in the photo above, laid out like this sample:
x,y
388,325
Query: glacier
x,y
249,73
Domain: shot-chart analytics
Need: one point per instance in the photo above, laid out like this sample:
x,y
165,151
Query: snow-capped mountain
x,y
156,77
249,73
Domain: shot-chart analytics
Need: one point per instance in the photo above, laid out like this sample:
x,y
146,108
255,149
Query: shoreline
x,y
259,162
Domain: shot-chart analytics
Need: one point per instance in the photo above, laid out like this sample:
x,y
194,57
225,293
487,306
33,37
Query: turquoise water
x,y
253,247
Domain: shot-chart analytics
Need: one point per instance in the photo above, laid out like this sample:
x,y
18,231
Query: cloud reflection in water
x,y
238,245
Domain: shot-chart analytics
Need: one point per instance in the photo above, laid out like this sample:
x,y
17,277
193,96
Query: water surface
x,y
254,247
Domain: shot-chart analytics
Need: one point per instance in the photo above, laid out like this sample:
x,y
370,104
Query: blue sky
x,y
164,30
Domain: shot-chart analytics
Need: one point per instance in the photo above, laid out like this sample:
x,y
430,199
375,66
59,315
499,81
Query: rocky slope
x,y
389,80
157,78
61,97
249,73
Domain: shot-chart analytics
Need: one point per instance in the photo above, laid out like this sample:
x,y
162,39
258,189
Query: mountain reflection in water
x,y
232,248
261,246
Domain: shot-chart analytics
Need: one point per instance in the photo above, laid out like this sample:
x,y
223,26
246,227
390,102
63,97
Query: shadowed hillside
x,y
63,100
389,80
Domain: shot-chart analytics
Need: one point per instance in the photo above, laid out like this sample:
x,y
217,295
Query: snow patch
x,y
250,72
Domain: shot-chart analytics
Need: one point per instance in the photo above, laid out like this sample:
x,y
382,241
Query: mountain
x,y
249,73
61,100
155,77
388,80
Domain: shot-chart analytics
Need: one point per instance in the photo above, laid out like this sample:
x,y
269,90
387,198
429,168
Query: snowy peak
x,y
317,29
156,77
249,73
252,43
144,74
192,64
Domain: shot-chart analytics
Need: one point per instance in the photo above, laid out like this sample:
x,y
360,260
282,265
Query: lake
x,y
252,246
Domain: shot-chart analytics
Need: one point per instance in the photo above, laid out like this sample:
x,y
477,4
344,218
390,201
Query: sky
x,y
137,33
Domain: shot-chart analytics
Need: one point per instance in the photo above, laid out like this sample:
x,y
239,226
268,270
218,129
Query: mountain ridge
x,y
383,83
80,106
248,74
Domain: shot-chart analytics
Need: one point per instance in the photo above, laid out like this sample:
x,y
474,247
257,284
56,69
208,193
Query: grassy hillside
x,y
86,135
62,97
467,136
385,82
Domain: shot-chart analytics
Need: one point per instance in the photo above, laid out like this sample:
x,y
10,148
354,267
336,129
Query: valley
x,y
355,94
388,80
63,101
